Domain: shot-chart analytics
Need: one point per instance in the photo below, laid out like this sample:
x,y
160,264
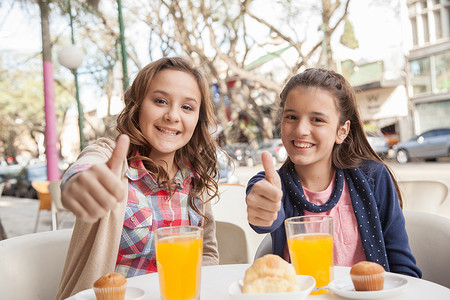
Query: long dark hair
x,y
356,148
199,152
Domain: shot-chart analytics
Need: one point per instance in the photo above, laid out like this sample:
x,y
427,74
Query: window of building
x,y
443,72
414,31
426,30
437,24
420,76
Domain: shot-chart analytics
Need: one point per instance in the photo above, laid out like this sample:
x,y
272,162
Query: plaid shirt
x,y
149,207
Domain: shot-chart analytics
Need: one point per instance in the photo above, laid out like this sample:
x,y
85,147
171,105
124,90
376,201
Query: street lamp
x,y
71,57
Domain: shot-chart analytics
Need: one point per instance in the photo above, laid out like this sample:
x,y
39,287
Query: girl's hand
x,y
264,200
91,194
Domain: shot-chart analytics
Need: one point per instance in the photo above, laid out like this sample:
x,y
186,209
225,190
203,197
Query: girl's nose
x,y
303,127
172,115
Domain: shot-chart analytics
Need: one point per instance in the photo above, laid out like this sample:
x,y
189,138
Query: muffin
x,y
111,286
367,276
270,274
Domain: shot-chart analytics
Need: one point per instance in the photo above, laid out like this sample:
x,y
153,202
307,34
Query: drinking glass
x,y
179,261
310,242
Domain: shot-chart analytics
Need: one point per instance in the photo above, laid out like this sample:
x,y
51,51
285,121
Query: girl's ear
x,y
342,132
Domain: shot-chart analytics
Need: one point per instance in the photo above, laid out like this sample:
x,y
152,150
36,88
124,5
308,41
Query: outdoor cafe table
x,y
217,279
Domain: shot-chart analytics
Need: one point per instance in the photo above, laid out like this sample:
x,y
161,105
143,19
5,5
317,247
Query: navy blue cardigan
x,y
399,253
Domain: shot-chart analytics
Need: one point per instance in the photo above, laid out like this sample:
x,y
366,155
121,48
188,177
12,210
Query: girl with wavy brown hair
x,y
159,172
331,170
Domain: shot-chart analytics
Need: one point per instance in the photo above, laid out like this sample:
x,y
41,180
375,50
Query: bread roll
x,y
270,274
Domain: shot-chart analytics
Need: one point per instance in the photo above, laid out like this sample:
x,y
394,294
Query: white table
x,y
217,279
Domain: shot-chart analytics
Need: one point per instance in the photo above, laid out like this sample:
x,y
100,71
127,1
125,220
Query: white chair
x,y
265,247
232,243
429,238
31,265
423,195
232,209
57,208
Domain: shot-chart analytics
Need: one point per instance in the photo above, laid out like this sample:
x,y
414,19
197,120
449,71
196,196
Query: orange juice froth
x,y
179,262
312,254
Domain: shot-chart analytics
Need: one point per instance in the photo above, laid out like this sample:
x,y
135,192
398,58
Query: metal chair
x,y
429,239
265,247
45,199
54,188
423,195
231,209
32,264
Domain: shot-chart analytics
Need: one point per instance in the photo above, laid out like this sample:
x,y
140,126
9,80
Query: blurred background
x,y
64,65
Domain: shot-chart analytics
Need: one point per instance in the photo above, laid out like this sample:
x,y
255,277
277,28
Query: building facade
x,y
429,63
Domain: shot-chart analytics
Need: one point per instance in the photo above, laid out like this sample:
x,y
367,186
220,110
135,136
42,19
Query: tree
x,y
22,101
220,35
348,37
247,53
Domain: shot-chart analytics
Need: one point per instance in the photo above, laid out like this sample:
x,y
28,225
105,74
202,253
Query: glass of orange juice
x,y
179,251
310,242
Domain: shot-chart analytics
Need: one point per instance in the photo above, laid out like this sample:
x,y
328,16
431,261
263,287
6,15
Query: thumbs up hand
x,y
264,200
91,194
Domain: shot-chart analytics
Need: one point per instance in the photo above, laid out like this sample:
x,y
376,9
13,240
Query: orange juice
x,y
312,254
179,261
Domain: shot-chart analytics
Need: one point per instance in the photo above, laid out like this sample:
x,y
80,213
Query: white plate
x,y
306,284
132,293
393,284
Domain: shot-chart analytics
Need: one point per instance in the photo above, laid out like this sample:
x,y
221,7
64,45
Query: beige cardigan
x,y
93,248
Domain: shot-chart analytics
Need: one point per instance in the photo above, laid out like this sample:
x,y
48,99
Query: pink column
x,y
51,136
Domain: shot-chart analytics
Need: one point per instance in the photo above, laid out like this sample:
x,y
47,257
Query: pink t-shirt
x,y
348,248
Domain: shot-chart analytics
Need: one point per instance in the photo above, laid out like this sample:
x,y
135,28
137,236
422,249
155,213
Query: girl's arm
x,y
210,250
400,257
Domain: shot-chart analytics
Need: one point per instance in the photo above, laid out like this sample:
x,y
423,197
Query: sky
x,y
375,28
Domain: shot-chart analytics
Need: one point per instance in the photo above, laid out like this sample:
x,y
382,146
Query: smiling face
x,y
169,113
309,128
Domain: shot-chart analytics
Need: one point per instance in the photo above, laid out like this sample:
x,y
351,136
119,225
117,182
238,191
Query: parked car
x,y
429,145
226,168
241,153
378,142
26,176
274,147
8,176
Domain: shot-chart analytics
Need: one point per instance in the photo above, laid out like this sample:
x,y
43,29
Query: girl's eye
x,y
291,117
160,101
317,120
187,107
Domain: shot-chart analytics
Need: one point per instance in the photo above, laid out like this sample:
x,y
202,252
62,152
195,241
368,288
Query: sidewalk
x,y
18,216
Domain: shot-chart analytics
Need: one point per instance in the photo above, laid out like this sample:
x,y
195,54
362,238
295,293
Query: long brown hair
x,y
199,152
356,148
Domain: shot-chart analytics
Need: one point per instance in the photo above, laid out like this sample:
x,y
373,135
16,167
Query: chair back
x,y
54,188
32,264
232,209
423,195
265,247
45,200
429,239
232,243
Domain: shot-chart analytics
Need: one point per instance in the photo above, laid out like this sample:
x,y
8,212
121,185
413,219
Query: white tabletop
x,y
217,279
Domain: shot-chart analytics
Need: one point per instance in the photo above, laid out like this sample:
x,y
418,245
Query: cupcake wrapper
x,y
110,293
368,282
